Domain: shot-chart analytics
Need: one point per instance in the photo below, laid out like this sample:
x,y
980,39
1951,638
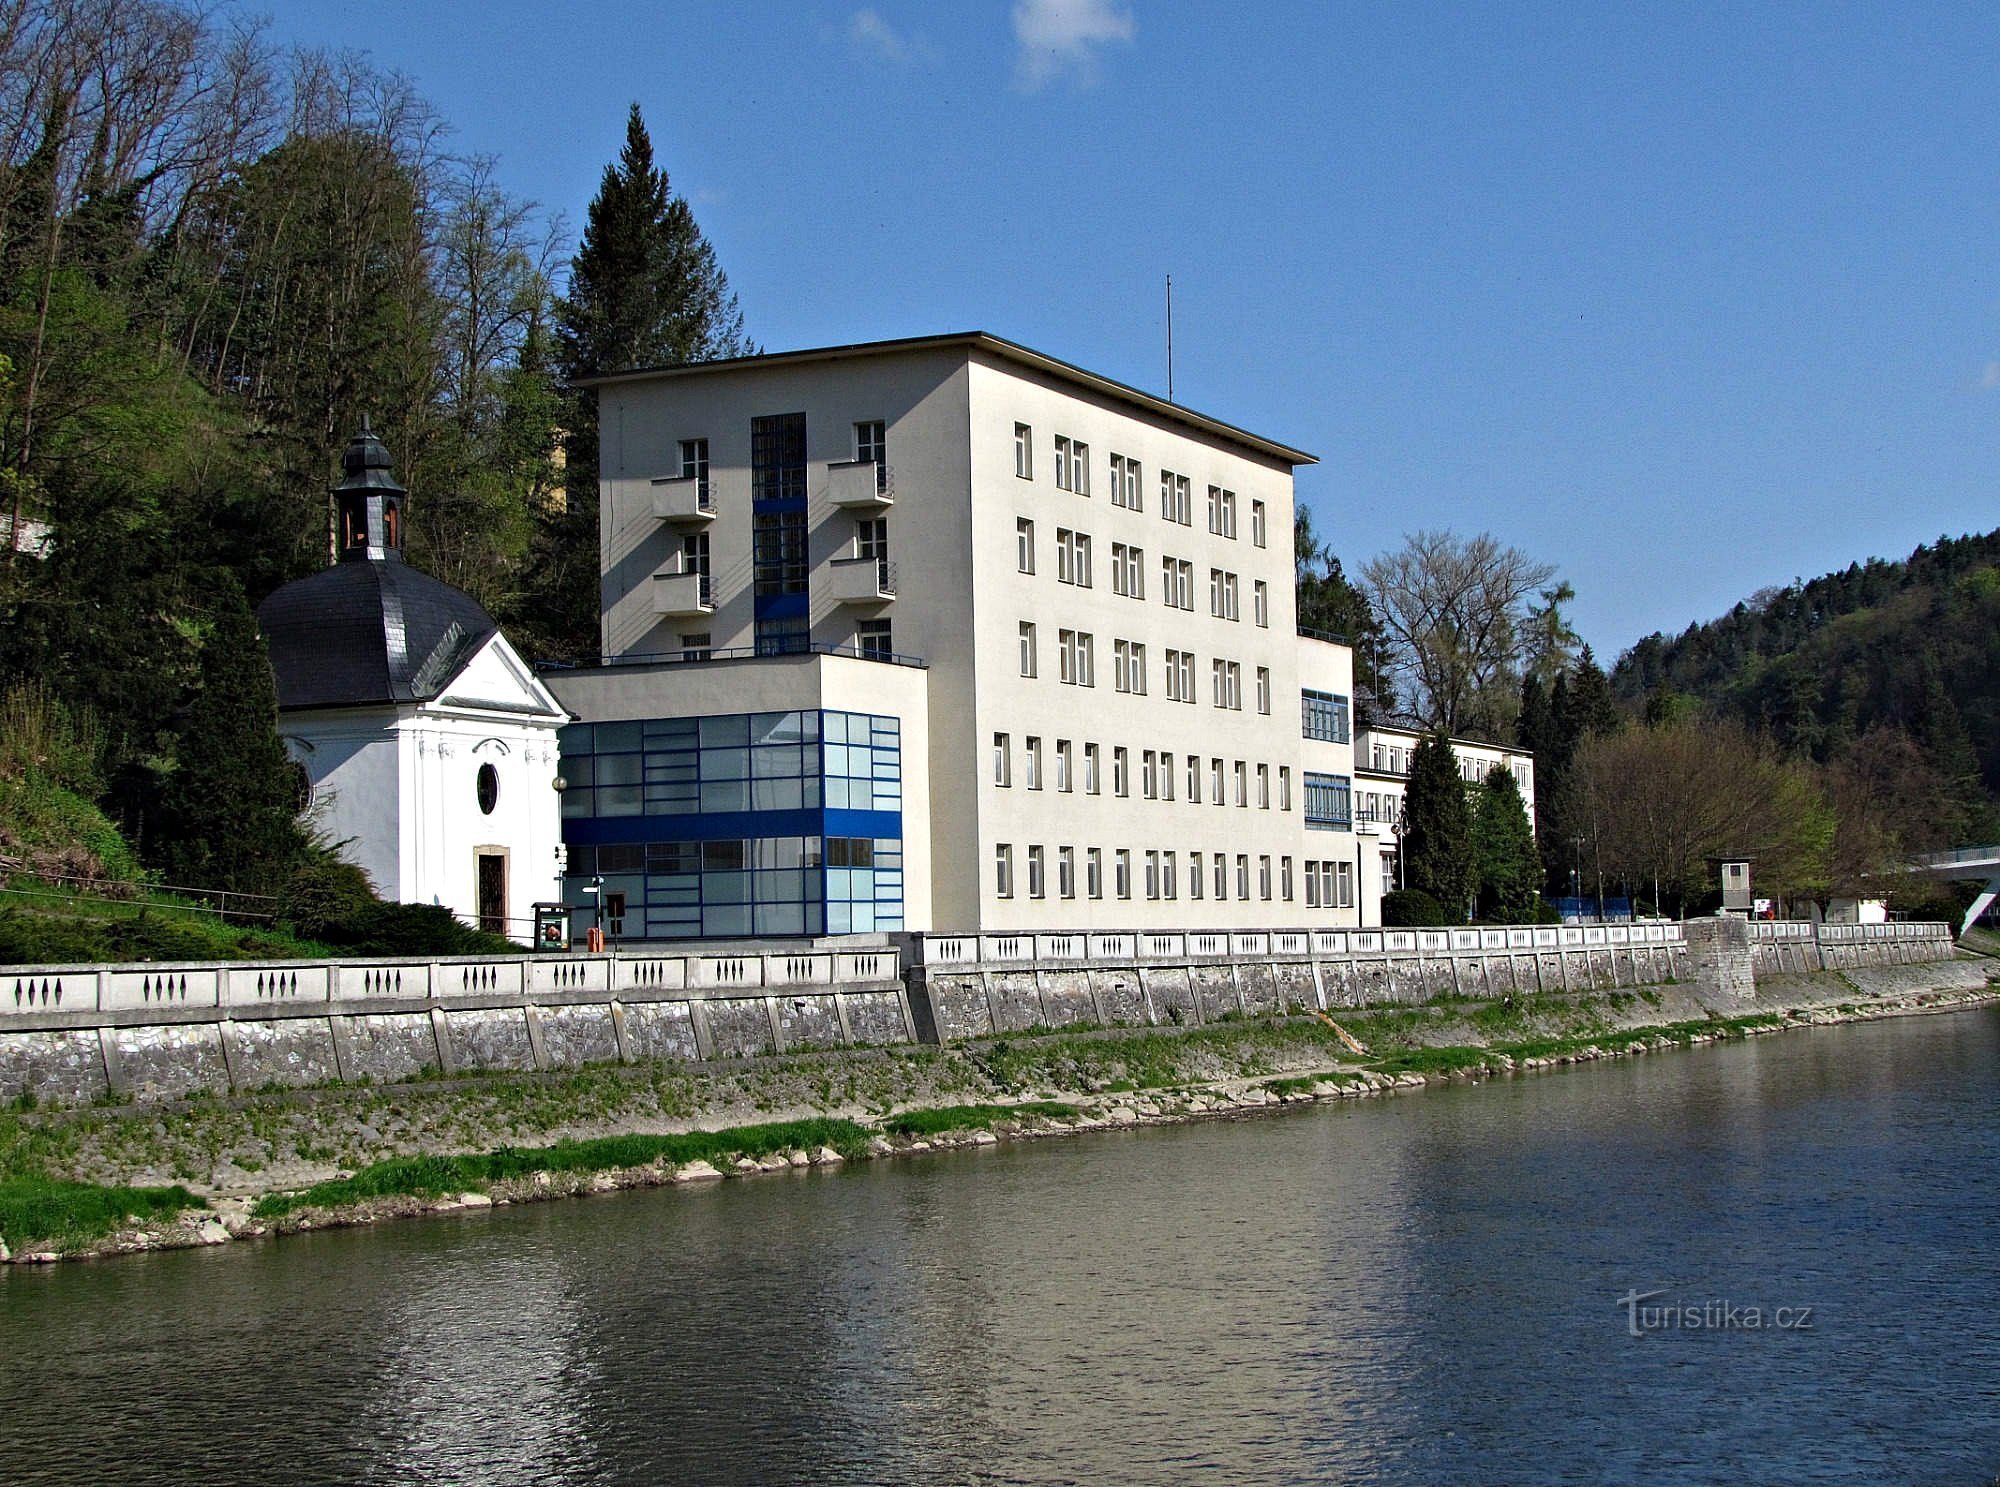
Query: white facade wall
x,y
950,412
397,788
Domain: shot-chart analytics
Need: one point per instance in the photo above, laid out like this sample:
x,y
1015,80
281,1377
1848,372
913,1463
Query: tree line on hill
x,y
215,259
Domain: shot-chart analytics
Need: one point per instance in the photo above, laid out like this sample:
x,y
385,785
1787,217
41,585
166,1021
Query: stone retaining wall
x,y
76,1033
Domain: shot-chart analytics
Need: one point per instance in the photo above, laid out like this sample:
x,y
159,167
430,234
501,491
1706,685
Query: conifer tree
x,y
645,290
229,814
1437,828
1503,851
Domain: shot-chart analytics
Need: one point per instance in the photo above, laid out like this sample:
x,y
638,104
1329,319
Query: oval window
x,y
489,789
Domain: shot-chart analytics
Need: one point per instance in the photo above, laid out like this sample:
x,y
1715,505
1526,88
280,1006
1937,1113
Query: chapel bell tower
x,y
369,502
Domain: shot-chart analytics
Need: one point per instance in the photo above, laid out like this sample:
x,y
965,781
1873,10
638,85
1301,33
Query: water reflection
x,y
1415,1290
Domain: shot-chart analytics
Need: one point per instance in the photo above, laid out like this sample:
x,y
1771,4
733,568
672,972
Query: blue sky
x,y
1687,300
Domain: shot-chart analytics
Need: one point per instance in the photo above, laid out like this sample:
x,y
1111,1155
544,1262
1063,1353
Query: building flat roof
x,y
998,346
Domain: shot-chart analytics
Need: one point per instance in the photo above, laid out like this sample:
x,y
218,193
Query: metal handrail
x,y
713,654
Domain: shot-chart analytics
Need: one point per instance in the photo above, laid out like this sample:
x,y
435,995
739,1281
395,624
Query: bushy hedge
x,y
1408,908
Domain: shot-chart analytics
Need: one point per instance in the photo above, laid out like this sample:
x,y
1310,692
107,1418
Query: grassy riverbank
x,y
109,1178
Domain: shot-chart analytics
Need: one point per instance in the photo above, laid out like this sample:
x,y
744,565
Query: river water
x,y
1424,1289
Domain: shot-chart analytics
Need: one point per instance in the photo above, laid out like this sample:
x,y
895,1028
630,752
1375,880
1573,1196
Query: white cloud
x,y
1055,37
871,33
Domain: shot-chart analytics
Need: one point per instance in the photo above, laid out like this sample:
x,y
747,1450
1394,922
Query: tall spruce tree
x,y
1503,852
229,813
1437,828
645,290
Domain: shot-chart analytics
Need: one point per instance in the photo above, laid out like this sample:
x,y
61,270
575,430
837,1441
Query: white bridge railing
x,y
706,970
1098,948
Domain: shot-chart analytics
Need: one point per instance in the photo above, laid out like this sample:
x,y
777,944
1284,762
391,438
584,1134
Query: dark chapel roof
x,y
370,629
369,632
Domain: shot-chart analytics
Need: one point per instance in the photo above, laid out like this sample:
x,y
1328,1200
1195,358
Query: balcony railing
x,y
685,595
867,580
860,485
686,500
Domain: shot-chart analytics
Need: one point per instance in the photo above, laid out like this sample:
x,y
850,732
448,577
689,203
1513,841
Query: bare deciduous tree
x,y
1453,611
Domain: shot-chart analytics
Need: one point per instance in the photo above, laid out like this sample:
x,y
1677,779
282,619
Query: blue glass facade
x,y
739,824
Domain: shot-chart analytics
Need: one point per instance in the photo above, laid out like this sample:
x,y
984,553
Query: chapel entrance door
x,y
493,892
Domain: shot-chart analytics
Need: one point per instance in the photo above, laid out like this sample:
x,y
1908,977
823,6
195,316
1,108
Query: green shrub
x,y
40,1211
1405,908
409,929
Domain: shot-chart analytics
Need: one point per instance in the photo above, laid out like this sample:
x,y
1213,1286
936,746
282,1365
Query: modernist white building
x,y
430,745
1382,773
947,634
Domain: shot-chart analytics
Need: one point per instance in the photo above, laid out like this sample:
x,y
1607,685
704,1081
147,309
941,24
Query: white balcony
x,y
860,485
678,595
685,501
863,581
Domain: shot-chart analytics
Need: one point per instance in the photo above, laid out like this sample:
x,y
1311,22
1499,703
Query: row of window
x,y
1395,759
1076,653
1328,797
1128,574
741,886
870,447
1328,885
1072,473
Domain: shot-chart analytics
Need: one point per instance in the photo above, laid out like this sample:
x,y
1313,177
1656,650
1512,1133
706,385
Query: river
x,y
1425,1289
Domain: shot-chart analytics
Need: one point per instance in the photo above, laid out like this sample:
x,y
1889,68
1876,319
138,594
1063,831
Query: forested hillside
x,y
216,259
1893,667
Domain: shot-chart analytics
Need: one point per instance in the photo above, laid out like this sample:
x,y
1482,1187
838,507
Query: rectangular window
x,y
1260,603
1072,557
783,635
1027,648
1079,469
1242,774
1284,787
1193,779
1222,512
1222,594
1152,874
1128,573
1194,875
1093,872
1285,879
1312,885
778,457
1090,785
1243,875
1083,659
1343,878
1329,802
1128,666
1062,765
1034,872
872,639
1175,491
1257,536
1121,783
1024,545
1033,756
1166,776
1149,775
1062,462
1263,787
1215,782
1123,870
1264,690
872,448
694,466
1003,870
1324,716
1125,482
696,646
1167,888
1024,451
1003,760
1264,878
1221,877
778,551
1066,871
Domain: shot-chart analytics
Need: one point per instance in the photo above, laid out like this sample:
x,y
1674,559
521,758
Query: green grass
x,y
936,1120
39,1212
436,1176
